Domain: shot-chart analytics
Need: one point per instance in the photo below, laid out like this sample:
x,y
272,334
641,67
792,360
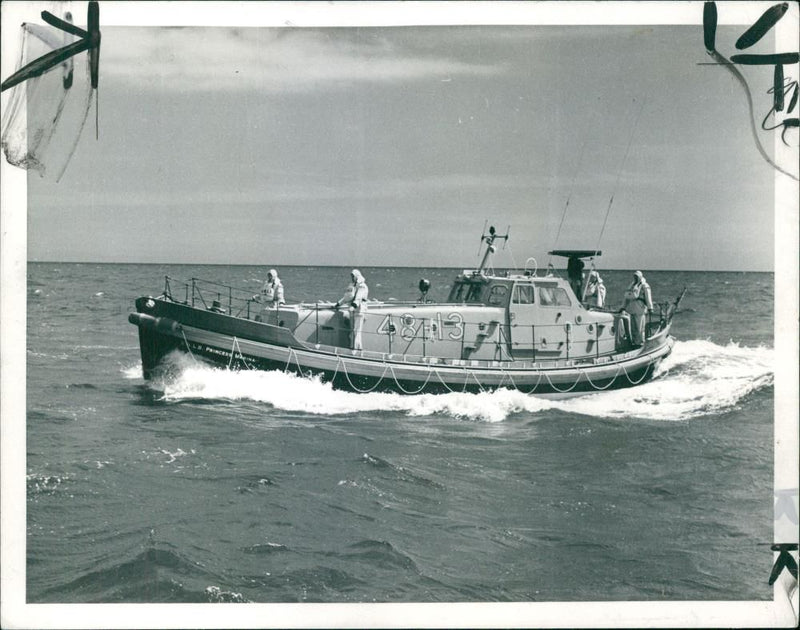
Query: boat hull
x,y
166,327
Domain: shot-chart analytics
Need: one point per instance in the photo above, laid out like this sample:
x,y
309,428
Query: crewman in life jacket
x,y
595,292
355,297
638,302
272,291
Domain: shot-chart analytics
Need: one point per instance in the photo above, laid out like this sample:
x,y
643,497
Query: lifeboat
x,y
518,330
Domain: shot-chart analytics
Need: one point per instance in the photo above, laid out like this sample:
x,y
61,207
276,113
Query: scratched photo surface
x,y
224,152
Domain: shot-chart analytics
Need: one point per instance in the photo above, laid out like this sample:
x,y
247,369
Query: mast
x,y
490,248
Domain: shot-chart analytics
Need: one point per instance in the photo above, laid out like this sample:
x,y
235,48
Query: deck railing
x,y
212,296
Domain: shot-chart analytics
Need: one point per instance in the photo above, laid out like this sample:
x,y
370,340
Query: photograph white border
x,y
16,612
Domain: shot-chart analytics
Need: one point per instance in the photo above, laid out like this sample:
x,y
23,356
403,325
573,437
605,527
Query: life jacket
x,y
638,292
273,291
596,293
360,295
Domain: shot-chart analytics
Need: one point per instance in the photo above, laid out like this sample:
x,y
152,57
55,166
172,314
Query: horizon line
x,y
384,266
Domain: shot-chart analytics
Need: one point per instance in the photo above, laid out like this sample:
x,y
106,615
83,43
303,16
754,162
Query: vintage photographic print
x,y
369,314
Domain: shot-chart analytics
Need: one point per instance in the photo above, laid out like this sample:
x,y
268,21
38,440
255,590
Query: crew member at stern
x,y
272,291
355,297
638,302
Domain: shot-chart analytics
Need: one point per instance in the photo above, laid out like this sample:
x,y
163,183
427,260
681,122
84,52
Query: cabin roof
x,y
470,276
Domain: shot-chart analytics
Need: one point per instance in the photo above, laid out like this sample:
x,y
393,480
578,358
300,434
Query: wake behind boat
x,y
515,330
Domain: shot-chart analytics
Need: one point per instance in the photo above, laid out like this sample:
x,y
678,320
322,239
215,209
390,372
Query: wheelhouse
x,y
477,288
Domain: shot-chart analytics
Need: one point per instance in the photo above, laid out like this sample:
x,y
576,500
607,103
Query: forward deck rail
x,y
419,340
211,296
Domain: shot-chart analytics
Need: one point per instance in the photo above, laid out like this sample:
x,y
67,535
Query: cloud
x,y
270,59
307,190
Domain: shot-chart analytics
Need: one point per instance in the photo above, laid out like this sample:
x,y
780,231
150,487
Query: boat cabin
x,y
514,317
486,317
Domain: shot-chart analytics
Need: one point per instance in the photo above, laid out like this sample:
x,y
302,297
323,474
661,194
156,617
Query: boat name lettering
x,y
200,347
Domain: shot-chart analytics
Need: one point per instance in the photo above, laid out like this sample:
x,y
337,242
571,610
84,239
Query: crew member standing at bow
x,y
273,290
638,302
356,298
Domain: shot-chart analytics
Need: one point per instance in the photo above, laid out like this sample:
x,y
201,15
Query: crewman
x,y
638,302
355,297
595,291
575,274
272,291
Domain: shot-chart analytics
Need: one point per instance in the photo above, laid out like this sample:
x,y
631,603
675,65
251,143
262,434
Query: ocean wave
x,y
216,595
381,554
265,548
697,379
152,575
400,472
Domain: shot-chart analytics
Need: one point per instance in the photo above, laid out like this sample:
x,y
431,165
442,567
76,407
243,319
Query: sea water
x,y
219,485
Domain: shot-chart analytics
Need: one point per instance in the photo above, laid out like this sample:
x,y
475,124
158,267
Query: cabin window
x,y
562,297
553,296
474,293
497,296
523,294
466,292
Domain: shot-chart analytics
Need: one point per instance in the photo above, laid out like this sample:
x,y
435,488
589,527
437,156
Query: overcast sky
x,y
392,146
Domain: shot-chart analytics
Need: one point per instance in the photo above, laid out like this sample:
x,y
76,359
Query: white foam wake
x,y
699,378
132,371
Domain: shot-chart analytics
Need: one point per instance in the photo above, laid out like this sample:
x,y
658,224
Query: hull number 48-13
x,y
411,327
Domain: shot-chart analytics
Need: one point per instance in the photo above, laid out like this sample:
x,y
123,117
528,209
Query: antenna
x,y
569,196
480,243
619,173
